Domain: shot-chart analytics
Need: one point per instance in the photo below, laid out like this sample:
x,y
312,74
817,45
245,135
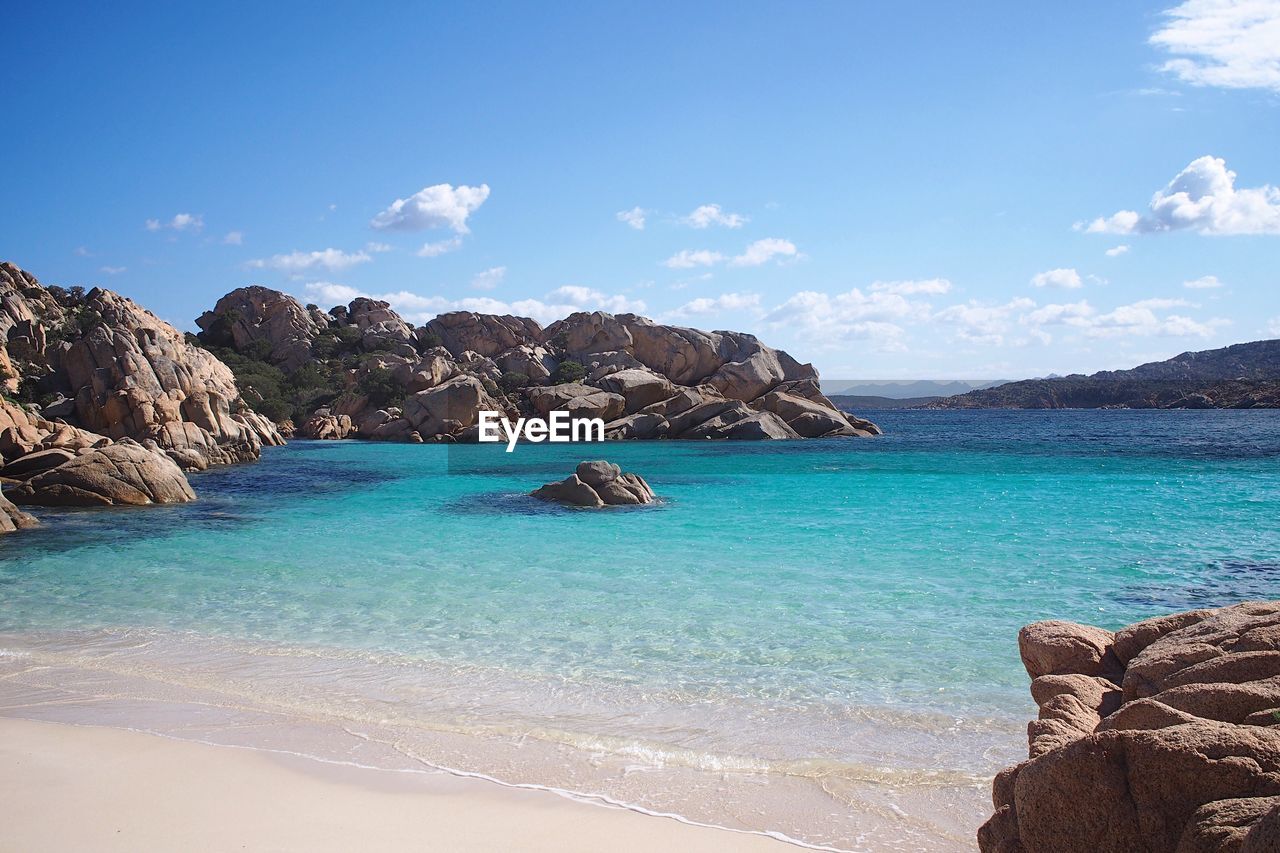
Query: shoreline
x,y
140,681
132,790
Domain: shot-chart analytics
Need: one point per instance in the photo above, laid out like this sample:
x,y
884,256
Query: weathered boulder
x,y
806,417
124,473
580,401
13,519
133,374
484,334
450,408
1057,648
638,387
26,467
325,425
381,328
597,484
248,316
535,362
1185,758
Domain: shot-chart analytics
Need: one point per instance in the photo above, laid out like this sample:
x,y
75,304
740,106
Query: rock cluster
x,y
1163,736
122,474
644,379
597,484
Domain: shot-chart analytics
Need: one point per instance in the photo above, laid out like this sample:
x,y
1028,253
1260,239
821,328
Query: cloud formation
x,y
488,279
180,222
233,238
1202,197
705,306
1207,282
1067,279
634,217
436,206
690,258
704,216
929,286
439,247
762,251
1117,251
1232,44
296,263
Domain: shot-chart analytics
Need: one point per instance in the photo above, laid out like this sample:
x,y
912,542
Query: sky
x,y
886,190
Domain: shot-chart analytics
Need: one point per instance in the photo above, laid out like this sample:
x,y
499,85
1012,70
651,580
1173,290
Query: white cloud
x,y
690,258
180,222
439,247
1273,327
705,306
296,263
1233,44
437,206
634,217
875,317
595,300
763,251
707,215
980,322
488,279
233,238
112,270
1207,282
1202,197
1137,319
1067,279
82,252
1117,251
930,286
376,248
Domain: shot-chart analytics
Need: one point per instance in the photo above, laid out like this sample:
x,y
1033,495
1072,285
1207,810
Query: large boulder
x,y
484,334
1185,757
595,485
381,329
124,473
255,315
449,409
133,375
580,401
13,519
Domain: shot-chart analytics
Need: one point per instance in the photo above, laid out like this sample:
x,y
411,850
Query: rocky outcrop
x,y
13,519
485,334
133,375
256,316
121,474
644,379
1164,736
595,485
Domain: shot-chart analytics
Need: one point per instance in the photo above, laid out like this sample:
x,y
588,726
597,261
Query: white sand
x,y
73,788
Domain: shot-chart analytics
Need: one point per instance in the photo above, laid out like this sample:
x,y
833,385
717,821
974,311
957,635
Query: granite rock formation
x,y
1162,736
121,474
379,378
596,485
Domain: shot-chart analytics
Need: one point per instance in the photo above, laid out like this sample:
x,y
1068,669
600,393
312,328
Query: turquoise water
x,y
851,602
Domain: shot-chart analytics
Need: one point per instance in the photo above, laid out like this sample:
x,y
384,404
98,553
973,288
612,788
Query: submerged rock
x,y
598,484
121,474
1164,736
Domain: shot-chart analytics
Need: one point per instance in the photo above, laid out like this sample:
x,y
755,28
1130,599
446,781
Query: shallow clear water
x,y
840,610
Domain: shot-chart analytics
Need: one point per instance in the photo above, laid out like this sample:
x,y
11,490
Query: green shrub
x,y
568,371
377,385
512,380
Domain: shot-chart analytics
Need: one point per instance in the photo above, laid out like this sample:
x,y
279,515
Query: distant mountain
x,y
859,402
906,388
1241,376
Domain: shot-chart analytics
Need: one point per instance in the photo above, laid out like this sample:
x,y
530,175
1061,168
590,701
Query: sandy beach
x,y
77,788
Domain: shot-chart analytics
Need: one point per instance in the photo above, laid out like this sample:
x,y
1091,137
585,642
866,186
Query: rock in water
x,y
12,518
121,474
597,484
1164,736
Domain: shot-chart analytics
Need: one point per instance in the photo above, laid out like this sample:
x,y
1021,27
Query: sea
x,y
813,640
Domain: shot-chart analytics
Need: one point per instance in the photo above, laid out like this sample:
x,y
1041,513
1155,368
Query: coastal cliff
x,y
361,371
1162,736
1241,376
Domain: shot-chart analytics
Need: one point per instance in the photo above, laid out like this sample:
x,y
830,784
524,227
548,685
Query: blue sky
x,y
886,190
